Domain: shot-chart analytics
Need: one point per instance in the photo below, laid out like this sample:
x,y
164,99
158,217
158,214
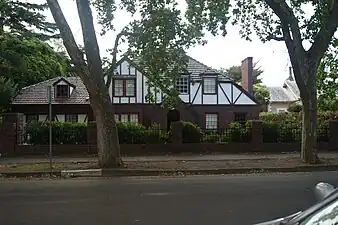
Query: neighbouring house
x,y
282,97
208,98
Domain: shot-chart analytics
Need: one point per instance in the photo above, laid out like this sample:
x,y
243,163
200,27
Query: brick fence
x,y
11,144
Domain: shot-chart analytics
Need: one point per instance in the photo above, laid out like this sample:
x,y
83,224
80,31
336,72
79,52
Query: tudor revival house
x,y
208,98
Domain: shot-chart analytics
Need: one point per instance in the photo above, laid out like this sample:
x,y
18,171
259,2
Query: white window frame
x,y
182,85
211,121
127,117
118,87
209,85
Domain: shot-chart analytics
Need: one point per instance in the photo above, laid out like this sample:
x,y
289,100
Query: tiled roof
x,y
196,69
37,93
280,94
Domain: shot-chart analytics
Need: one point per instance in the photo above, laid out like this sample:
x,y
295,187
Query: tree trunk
x,y
309,128
107,135
91,75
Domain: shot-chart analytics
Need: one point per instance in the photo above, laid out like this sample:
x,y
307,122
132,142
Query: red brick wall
x,y
9,143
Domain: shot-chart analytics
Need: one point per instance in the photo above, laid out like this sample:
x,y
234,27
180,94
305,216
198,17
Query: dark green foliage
x,y
25,19
294,107
7,91
62,133
191,133
237,133
29,61
76,133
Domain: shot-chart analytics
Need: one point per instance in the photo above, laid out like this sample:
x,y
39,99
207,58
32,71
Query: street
x,y
197,200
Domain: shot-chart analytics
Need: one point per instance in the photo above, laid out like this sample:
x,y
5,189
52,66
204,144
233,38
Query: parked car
x,y
325,212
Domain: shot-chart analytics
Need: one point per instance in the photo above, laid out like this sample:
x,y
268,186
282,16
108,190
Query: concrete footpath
x,y
207,157
166,165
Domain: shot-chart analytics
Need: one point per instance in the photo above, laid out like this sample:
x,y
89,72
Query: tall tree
x,y
286,21
25,19
27,61
157,40
327,80
7,91
235,72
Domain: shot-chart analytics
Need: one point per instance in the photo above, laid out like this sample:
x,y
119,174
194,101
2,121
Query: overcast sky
x,y
219,52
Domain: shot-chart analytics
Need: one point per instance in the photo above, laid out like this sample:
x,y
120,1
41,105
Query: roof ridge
x,y
42,82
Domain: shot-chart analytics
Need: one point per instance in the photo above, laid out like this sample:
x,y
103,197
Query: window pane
x,y
211,121
130,87
124,117
117,118
62,90
209,85
134,118
31,117
118,87
182,85
71,118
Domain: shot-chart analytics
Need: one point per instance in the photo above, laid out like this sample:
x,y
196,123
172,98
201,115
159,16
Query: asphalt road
x,y
197,200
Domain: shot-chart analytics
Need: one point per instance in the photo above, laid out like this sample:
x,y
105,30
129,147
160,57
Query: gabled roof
x,y
37,93
289,92
280,94
195,68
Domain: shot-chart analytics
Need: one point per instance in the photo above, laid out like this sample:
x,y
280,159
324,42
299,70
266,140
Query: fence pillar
x,y
256,135
176,132
92,137
11,132
333,135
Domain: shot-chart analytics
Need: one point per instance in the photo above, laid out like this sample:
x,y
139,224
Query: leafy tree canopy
x,y
327,80
29,61
8,90
25,19
262,94
235,73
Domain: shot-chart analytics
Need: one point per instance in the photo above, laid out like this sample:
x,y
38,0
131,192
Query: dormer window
x,y
62,91
209,85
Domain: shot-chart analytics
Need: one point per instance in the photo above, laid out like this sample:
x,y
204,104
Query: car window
x,y
328,215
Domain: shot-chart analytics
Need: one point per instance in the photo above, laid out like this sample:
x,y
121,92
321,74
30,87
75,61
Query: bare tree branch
x,y
69,42
287,17
114,53
91,45
324,35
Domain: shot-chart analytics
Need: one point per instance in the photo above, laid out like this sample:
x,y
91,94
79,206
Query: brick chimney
x,y
247,70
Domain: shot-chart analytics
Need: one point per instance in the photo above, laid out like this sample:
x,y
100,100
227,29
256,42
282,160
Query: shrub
x,y
270,131
294,107
131,133
155,135
62,133
191,133
212,137
238,133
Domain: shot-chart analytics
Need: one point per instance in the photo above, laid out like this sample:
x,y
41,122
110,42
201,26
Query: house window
x,y
73,118
124,88
240,117
124,118
211,121
133,118
32,117
209,85
127,117
62,91
182,85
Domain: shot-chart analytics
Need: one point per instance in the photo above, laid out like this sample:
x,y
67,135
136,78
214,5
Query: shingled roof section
x,y
194,67
37,93
280,94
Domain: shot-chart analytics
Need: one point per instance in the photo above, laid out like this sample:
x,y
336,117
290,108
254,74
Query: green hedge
x,y
62,133
76,133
